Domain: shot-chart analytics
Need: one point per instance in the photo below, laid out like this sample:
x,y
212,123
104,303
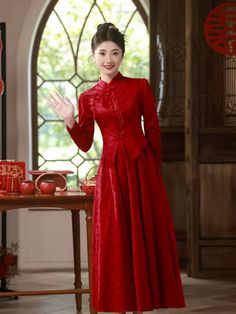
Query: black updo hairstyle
x,y
108,32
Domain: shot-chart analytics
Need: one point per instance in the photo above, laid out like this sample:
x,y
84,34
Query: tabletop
x,y
66,200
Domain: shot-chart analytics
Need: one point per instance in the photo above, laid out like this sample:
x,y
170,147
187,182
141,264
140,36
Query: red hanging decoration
x,y
1,87
1,81
220,29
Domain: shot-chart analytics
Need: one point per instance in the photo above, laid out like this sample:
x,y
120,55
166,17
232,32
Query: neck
x,y
108,78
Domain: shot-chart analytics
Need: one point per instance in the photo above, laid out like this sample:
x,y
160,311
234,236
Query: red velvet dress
x,y
135,262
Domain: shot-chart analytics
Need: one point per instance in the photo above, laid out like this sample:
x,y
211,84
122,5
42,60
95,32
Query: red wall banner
x,y
220,29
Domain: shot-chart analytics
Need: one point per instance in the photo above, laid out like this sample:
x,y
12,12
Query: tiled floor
x,y
202,296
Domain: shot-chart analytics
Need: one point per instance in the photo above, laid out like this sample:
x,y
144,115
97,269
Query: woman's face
x,y
108,57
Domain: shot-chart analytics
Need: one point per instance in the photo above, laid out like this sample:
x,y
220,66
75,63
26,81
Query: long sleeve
x,y
83,130
151,123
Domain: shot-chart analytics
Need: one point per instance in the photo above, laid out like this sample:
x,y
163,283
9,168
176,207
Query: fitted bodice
x,y
118,107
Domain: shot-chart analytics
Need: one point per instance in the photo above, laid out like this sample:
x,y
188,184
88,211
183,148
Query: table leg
x,y
89,249
77,257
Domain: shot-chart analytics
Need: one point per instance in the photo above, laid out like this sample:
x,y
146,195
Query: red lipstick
x,y
109,67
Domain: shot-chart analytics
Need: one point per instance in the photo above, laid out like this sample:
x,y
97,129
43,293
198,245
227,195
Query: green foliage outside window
x,y
65,65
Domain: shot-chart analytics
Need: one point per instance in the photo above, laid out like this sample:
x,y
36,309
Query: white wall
x,y
14,24
14,13
41,246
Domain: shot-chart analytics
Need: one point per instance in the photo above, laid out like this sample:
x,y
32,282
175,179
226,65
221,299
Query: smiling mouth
x,y
108,67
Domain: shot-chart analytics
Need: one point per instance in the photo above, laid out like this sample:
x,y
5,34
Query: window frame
x,y
150,24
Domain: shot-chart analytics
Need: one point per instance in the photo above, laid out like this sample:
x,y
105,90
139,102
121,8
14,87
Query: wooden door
x,y
210,138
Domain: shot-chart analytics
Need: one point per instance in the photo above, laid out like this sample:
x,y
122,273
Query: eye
x,y
101,53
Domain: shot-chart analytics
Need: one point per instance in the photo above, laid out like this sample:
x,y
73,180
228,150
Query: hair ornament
x,y
113,27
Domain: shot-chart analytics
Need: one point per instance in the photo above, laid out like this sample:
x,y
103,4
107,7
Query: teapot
x,y
89,184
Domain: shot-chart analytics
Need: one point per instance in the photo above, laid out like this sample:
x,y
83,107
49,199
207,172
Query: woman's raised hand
x,y
63,107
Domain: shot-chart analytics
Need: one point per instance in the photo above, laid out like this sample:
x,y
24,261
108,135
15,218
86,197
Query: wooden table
x,y
75,202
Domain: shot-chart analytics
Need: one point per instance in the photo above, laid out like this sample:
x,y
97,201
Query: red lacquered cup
x,y
47,186
27,187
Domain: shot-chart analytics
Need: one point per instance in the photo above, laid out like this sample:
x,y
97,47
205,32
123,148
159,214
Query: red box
x,y
11,169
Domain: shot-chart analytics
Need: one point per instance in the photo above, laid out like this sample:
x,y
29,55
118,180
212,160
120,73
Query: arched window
x,y
63,63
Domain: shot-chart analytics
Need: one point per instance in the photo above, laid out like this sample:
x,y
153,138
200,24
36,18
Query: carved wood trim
x,y
191,137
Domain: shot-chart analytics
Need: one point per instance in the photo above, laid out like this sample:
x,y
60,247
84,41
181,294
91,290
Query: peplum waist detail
x,y
134,142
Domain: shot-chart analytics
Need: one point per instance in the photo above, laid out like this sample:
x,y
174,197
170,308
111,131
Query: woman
x,y
135,264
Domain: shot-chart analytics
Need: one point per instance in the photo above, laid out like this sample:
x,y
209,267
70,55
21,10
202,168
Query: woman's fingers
x,y
63,107
56,101
52,101
59,98
68,102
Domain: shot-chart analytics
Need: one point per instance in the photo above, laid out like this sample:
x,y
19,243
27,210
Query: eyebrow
x,y
111,50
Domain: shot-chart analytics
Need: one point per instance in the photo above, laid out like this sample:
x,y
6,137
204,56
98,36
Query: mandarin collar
x,y
102,85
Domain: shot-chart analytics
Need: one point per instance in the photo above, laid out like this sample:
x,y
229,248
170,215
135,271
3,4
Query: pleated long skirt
x,y
134,258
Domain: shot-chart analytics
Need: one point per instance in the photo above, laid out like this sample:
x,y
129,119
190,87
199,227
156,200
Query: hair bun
x,y
108,32
99,26
106,26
